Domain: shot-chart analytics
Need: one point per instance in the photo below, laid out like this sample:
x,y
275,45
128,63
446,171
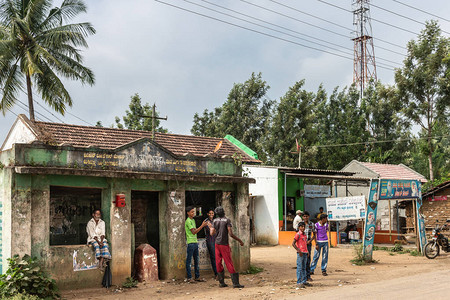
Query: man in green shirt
x,y
192,243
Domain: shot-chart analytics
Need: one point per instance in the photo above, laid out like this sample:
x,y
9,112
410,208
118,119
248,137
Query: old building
x,y
53,175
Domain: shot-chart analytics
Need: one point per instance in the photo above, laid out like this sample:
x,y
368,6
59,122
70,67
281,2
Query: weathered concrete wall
x,y
266,204
21,219
61,262
172,233
243,227
120,238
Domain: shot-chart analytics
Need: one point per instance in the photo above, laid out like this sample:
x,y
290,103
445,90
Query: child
x,y
321,244
299,244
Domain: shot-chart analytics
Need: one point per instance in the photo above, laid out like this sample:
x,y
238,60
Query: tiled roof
x,y
394,171
111,138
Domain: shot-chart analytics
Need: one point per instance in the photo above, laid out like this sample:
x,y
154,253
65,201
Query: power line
x,y
328,30
311,15
50,112
259,32
421,10
377,142
348,53
376,20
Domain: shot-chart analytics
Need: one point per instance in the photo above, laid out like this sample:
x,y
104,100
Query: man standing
x,y
95,229
211,240
321,244
297,219
192,244
319,214
310,232
222,228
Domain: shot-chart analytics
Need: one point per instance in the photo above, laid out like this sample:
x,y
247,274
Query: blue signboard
x,y
391,189
399,189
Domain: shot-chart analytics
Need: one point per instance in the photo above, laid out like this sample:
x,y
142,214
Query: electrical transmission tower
x,y
364,68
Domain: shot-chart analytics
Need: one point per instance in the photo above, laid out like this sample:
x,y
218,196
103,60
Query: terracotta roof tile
x,y
394,171
111,138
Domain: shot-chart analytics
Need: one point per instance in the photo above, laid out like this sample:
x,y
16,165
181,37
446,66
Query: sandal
x,y
200,280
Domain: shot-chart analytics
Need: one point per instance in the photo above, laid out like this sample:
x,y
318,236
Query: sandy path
x,y
278,280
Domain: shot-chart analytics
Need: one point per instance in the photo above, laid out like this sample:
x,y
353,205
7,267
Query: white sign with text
x,y
346,208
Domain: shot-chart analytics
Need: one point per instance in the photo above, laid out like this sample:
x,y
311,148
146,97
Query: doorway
x,y
145,221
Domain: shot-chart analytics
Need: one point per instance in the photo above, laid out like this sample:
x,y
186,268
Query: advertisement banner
x,y
399,189
346,208
421,227
371,217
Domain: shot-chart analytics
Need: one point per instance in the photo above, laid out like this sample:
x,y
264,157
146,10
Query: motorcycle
x,y
438,240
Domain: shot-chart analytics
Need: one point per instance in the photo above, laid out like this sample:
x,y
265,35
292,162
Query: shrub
x,y
130,283
26,276
360,259
397,248
253,270
21,296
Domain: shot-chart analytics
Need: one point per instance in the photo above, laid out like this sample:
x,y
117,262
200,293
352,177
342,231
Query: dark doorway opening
x,y
202,201
145,220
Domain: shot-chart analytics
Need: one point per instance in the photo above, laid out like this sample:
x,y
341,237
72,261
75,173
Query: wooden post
x,y
415,223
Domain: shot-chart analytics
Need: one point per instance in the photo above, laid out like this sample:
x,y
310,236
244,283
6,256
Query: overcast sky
x,y
186,63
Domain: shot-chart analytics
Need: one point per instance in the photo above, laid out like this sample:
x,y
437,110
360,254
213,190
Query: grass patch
x,y
360,259
253,270
130,283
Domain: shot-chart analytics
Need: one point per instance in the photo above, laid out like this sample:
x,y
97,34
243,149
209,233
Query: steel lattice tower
x,y
364,68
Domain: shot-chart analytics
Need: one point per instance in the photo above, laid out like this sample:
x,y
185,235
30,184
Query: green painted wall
x,y
293,184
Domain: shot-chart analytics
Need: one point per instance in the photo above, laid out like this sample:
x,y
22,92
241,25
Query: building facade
x,y
53,175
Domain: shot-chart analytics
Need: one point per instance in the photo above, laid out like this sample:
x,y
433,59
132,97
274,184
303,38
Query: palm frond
x,y
11,86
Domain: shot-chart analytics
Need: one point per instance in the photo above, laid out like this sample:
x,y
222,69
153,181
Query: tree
x,y
294,119
424,83
36,47
134,117
385,123
245,115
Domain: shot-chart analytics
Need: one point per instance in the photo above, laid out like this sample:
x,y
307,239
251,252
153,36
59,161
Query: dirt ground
x,y
278,280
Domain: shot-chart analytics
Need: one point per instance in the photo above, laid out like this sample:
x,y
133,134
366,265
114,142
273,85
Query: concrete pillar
x,y
243,226
20,233
172,216
120,238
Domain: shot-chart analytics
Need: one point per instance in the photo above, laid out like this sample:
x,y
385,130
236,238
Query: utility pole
x,y
364,67
154,117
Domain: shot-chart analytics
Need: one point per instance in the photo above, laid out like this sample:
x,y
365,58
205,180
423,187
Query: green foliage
x,y
134,117
414,253
360,259
424,84
253,270
397,248
130,282
21,296
245,115
25,275
2,166
37,46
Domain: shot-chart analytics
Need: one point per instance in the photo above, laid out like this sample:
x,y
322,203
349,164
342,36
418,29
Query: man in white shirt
x,y
297,219
96,237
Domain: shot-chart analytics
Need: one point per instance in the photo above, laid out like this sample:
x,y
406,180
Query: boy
x,y
321,244
310,232
299,244
192,244
222,228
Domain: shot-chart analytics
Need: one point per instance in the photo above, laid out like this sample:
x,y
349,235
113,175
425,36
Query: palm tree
x,y
36,47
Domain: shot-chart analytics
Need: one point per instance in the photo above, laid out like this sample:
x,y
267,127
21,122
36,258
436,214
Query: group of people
x,y
307,232
217,231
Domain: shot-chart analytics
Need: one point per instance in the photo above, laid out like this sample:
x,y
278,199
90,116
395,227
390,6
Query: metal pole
x,y
285,203
299,157
398,221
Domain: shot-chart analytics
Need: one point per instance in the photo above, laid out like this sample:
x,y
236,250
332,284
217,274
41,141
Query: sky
x,y
187,62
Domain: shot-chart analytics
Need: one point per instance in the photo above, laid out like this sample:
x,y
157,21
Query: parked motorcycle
x,y
438,240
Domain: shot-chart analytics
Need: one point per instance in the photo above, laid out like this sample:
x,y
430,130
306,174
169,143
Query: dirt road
x,y
278,280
